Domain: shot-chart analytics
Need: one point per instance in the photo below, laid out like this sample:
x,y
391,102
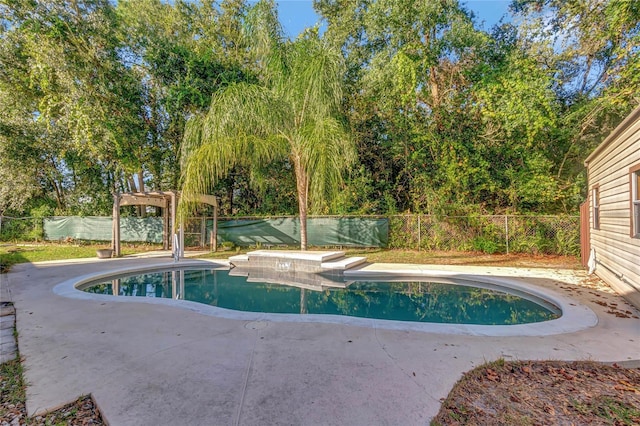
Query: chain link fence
x,y
558,235
489,234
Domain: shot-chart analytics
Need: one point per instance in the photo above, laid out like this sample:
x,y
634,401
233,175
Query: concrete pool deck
x,y
167,363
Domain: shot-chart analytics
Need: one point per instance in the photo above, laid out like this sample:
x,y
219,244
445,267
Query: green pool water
x,y
461,302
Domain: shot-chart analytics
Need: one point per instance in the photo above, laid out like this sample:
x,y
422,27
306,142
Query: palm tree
x,y
294,112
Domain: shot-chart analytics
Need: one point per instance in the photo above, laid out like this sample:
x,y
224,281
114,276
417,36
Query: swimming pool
x,y
411,299
575,315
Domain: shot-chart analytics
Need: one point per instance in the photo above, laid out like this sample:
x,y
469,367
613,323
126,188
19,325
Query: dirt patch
x,y
544,393
435,257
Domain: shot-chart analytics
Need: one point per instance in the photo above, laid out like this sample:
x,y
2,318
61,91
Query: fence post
x,y
506,231
419,233
214,230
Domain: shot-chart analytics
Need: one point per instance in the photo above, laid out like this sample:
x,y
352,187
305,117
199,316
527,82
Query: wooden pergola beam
x,y
128,200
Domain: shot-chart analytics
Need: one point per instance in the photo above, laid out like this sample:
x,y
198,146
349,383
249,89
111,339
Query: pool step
x,y
297,261
239,260
344,263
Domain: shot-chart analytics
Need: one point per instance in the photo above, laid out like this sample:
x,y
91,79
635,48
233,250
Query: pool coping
x,y
575,316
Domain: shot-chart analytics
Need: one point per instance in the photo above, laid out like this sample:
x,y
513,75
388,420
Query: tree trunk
x,y
433,85
60,203
59,190
140,181
302,187
143,209
303,225
132,184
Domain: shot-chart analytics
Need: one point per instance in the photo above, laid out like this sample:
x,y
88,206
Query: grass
x,y
617,411
12,388
11,254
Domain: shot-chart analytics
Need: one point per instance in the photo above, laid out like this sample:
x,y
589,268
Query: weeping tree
x,y
293,112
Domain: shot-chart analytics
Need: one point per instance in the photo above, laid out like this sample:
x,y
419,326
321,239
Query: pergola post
x,y
174,223
214,231
165,228
181,239
174,210
203,232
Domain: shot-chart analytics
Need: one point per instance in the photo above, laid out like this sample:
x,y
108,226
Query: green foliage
x,y
516,100
485,245
465,122
567,242
544,235
16,186
488,234
359,195
38,214
103,93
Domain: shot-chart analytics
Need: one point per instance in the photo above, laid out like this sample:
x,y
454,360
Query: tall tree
x,y
182,52
294,113
590,47
408,64
63,57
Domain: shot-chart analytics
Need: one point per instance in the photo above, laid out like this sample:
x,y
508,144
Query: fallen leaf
x,y
567,375
626,386
492,375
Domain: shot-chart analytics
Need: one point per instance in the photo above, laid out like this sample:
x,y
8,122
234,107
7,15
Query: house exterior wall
x,y
609,168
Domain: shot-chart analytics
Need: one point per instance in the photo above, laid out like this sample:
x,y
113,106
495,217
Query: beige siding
x,y
618,156
623,289
612,231
617,254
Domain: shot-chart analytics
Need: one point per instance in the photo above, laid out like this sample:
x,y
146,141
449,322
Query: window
x,y
595,199
635,201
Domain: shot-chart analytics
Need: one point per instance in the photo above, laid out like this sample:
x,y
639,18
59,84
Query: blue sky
x,y
296,15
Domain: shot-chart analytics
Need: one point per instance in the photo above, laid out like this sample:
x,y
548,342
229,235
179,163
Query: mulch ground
x,y
544,393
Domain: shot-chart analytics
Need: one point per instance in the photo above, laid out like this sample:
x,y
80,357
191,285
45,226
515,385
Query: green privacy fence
x,y
322,231
147,229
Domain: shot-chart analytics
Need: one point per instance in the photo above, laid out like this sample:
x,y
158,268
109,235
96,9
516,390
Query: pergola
x,y
168,202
